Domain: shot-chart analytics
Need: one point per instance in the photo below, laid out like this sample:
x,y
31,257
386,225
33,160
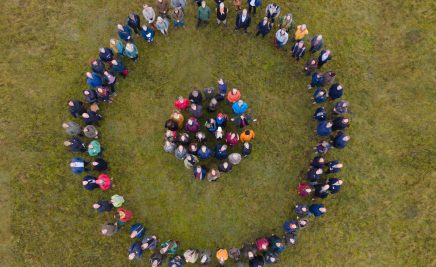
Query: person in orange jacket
x,y
222,255
246,136
233,95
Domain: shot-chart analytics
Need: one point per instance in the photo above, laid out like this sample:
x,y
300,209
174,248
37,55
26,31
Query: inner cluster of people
x,y
189,143
209,134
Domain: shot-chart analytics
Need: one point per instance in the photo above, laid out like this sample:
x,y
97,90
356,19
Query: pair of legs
x,y
263,34
252,8
201,22
180,23
222,21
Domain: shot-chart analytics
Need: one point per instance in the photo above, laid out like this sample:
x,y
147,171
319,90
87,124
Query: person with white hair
x,y
162,25
235,158
272,12
131,51
301,32
221,14
281,38
243,21
149,14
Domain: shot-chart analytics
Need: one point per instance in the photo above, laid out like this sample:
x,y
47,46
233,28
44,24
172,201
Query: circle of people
x,y
319,182
193,149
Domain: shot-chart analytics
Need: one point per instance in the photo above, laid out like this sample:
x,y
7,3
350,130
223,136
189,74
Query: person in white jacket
x,y
281,38
149,14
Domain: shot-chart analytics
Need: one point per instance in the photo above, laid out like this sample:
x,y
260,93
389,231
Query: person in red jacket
x,y
182,103
123,215
232,138
104,181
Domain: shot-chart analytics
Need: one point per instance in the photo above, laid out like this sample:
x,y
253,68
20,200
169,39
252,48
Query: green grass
x,y
383,54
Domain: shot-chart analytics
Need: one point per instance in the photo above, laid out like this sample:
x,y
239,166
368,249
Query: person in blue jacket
x,y
324,56
78,165
317,80
253,5
221,151
125,33
264,27
243,20
106,54
211,125
320,114
336,91
319,96
204,152
257,261
90,96
137,231
314,174
75,145
135,251
317,210
176,261
118,67
222,90
324,128
334,166
76,108
335,185
134,22
147,33
93,79
91,117
276,244
318,162
246,149
290,226
321,190
239,107
98,66
89,183
340,140
298,50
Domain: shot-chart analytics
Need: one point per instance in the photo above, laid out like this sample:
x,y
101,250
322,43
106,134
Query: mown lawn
x,y
383,54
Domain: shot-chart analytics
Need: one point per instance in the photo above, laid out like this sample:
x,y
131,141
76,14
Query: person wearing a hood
x,y
149,14
281,38
135,251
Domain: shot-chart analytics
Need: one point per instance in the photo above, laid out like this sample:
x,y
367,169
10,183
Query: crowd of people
x,y
188,143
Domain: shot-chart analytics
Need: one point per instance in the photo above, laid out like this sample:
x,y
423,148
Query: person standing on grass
x,y
89,183
191,255
93,79
117,46
203,14
310,66
301,32
298,50
243,20
109,80
316,81
341,107
222,256
192,125
178,4
324,56
317,210
264,27
340,140
72,128
320,114
234,158
281,38
90,96
103,206
253,5
178,118
319,96
106,54
131,51
123,215
239,107
324,128
196,97
147,33
232,138
125,33
225,167
91,117
94,148
335,185
321,190
334,166
340,123
177,16
104,182
243,120
246,149
99,165
162,25
336,91
90,132
98,66
75,145
221,14
137,230
247,136
76,108
134,22
285,22
233,95
180,152
135,251
272,12
221,151
196,110
118,67
329,77
213,175
237,4
149,14
318,162
316,43
149,242
163,7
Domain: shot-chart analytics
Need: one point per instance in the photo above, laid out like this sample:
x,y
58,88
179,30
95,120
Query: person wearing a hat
x,y
222,255
137,230
78,165
103,206
235,158
239,107
246,136
135,251
75,145
317,210
191,255
149,242
233,95
72,128
89,183
225,167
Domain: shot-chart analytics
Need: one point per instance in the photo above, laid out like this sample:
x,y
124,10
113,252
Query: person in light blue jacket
x,y
147,33
162,25
131,51
239,107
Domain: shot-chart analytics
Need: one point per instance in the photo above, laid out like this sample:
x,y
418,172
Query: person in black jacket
x,y
221,14
243,20
97,66
298,50
196,97
90,96
76,108
106,54
264,27
75,145
91,117
134,22
99,165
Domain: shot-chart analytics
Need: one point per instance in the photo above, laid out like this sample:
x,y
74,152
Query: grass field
x,y
383,54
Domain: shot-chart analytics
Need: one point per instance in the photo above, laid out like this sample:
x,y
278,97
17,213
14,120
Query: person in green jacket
x,y
203,14
94,148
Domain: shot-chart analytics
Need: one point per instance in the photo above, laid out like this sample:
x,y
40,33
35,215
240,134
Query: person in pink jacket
x,y
104,181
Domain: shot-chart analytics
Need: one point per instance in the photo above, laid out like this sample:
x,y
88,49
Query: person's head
x,y
120,27
222,5
144,246
198,169
155,263
313,62
190,121
193,106
67,143
339,165
346,120
213,172
102,50
144,27
318,171
96,205
114,62
221,81
203,148
244,12
328,52
129,46
325,187
94,163
303,222
203,3
321,93
176,10
223,148
340,182
132,15
104,231
85,115
322,209
180,148
225,164
300,44
65,125
195,93
89,74
319,37
233,135
86,92
329,125
159,19
106,73
213,101
240,102
303,27
247,145
144,6
282,31
289,16
131,256
339,87
265,20
100,90
247,132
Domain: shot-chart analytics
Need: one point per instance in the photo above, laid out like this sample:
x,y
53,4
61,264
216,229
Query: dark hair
x,y
247,132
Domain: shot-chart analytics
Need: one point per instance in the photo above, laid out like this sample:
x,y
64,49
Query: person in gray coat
x,y
169,147
196,110
90,131
72,128
180,152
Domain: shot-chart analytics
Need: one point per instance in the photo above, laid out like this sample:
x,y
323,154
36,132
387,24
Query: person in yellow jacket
x,y
246,136
222,255
178,118
301,32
